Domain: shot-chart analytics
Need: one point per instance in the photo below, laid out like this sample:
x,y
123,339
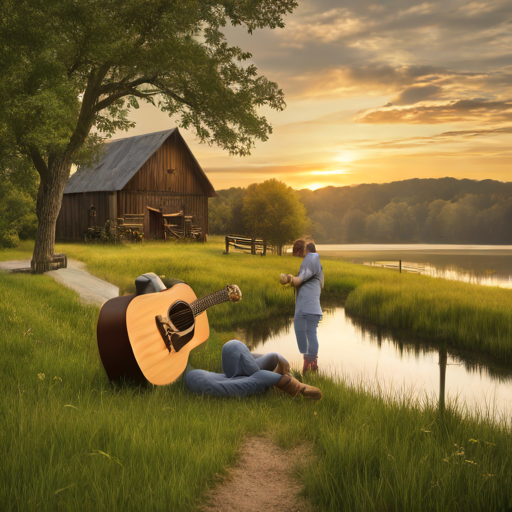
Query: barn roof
x,y
120,161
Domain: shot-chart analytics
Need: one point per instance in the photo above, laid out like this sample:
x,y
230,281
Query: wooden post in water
x,y
443,359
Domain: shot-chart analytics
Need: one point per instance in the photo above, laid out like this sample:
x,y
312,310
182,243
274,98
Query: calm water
x,y
355,351
480,264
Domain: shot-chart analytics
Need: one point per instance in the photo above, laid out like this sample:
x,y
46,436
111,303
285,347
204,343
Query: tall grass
x,y
71,441
463,315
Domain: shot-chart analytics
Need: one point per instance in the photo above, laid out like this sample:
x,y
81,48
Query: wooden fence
x,y
247,244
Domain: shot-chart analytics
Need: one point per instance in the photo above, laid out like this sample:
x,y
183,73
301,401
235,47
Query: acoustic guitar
x,y
148,338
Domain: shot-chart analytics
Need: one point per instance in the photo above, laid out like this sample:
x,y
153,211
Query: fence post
x,y
227,244
400,266
264,247
253,246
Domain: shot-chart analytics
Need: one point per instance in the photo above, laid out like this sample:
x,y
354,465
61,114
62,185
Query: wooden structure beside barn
x,y
156,170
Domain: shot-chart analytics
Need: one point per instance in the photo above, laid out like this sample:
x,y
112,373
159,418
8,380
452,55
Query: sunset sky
x,y
377,91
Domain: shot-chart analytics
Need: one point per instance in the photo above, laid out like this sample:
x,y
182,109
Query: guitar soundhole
x,y
181,315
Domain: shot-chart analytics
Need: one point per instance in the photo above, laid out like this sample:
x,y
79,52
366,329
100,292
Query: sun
x,y
315,186
346,156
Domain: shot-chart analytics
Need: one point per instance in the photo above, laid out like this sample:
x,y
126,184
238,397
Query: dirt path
x,y
90,288
262,480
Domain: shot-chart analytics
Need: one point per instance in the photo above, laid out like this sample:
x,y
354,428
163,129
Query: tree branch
x,y
87,110
124,84
39,163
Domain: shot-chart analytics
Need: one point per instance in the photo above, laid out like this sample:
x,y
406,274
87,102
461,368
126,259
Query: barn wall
x,y
73,218
154,175
132,201
154,186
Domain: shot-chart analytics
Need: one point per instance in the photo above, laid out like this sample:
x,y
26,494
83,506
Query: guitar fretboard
x,y
200,305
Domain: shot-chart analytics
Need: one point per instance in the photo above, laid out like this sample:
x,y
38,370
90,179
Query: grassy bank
x,y
71,441
462,315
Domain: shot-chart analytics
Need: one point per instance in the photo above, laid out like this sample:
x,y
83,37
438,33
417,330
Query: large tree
x,y
273,211
69,66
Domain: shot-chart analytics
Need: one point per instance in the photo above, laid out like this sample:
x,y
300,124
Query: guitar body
x,y
131,344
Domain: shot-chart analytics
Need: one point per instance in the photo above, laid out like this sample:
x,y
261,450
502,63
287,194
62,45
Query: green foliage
x,y
273,211
18,189
428,210
225,212
68,66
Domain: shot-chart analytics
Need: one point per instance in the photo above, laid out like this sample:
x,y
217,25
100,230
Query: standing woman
x,y
308,285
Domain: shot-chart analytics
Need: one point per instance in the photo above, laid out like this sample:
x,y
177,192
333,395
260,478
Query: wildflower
x,y
471,462
41,376
474,441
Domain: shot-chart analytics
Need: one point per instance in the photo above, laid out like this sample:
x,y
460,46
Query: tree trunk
x,y
49,201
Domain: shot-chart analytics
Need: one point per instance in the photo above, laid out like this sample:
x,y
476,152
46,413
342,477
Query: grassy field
x,y
71,441
461,315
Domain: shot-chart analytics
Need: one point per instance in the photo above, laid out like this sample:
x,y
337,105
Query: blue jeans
x,y
243,375
306,325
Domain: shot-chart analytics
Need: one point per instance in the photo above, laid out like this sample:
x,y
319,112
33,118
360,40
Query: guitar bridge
x,y
166,331
173,338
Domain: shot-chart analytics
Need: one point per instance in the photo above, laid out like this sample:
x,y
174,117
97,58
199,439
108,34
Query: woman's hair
x,y
301,245
298,247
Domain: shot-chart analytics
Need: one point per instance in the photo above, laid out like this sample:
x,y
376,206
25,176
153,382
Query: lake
x,y
489,265
359,352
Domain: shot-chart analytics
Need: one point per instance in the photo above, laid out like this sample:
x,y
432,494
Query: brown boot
x,y
283,366
293,387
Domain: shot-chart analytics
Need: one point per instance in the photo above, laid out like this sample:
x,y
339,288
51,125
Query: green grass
x,y
71,441
461,315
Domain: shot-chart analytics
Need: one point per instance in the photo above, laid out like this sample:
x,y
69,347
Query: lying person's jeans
x,y
243,374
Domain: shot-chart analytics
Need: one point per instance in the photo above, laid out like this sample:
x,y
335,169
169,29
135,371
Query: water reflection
x,y
485,277
357,350
480,264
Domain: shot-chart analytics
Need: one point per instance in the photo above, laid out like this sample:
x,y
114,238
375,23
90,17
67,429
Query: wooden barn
x,y
153,179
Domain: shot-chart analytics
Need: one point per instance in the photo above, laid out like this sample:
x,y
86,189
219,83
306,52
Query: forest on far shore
x,y
444,210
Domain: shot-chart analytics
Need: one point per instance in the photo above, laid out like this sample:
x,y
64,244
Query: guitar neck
x,y
224,295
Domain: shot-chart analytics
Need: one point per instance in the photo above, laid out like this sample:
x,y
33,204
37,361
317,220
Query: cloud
x,y
475,110
417,93
448,137
403,84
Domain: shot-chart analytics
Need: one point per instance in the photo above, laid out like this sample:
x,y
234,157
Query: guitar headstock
x,y
234,293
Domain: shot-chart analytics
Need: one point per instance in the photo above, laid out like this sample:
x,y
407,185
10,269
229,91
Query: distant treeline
x,y
443,210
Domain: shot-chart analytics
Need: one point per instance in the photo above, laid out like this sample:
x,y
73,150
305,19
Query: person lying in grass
x,y
245,375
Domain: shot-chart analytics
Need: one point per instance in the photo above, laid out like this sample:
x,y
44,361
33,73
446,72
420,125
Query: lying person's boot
x,y
293,387
283,366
